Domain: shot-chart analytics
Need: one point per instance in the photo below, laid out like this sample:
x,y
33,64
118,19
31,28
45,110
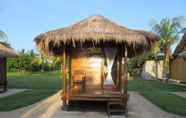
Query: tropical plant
x,y
167,29
31,61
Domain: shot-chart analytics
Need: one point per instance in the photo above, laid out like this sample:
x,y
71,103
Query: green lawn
x,y
35,80
42,85
159,93
23,99
167,101
151,86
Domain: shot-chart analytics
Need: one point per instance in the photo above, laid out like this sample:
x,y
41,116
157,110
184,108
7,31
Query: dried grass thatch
x,y
181,46
95,31
7,52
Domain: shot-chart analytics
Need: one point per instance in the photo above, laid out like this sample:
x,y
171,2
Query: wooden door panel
x,y
83,63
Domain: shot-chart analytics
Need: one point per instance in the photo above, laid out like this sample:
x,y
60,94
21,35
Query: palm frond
x,y
177,23
155,26
168,30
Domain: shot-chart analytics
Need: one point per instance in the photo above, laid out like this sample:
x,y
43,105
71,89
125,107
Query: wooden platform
x,y
95,95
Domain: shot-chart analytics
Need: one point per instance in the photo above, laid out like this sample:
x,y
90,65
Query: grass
x,y
160,94
35,80
40,85
23,99
167,101
151,86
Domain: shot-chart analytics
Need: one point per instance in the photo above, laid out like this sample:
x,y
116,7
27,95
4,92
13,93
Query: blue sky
x,y
22,20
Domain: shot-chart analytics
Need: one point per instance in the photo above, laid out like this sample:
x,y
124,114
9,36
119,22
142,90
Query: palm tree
x,y
167,29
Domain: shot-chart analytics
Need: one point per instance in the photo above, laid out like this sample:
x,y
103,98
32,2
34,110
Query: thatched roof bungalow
x,y
94,48
178,63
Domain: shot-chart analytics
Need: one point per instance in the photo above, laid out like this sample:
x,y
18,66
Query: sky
x,y
22,20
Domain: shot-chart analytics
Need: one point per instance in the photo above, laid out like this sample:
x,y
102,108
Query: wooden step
x,y
115,107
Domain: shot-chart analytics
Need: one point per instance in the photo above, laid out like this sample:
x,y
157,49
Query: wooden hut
x,y
152,69
178,63
91,54
4,53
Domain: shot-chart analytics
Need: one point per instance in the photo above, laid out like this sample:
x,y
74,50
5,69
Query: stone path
x,y
11,91
181,94
138,107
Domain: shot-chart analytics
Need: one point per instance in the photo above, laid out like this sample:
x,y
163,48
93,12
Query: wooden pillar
x,y
102,75
125,71
69,70
118,69
63,69
120,72
3,74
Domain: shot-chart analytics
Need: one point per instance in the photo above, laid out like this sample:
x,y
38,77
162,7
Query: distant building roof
x,y
181,46
7,52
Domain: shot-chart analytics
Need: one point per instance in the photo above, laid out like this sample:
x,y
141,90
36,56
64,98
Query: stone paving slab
x,y
181,94
11,92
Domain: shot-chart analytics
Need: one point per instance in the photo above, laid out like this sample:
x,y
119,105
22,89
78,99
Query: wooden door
x,y
89,62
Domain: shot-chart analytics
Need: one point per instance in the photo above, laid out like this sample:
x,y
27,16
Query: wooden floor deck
x,y
95,95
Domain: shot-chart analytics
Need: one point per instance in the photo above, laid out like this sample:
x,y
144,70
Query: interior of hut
x,y
94,70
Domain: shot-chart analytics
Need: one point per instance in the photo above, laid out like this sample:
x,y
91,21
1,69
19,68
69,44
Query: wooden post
x,y
69,71
126,71
102,75
3,74
118,72
63,69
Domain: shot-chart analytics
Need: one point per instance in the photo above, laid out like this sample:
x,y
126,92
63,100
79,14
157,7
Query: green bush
x,y
31,61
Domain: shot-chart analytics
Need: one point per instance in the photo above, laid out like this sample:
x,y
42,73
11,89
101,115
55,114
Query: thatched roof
x,y
181,47
7,52
95,31
182,54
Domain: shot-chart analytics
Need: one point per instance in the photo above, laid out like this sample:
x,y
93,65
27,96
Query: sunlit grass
x,y
167,101
23,99
160,94
35,80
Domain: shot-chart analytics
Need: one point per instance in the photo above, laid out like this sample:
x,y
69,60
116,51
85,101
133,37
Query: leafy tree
x,y
31,61
167,29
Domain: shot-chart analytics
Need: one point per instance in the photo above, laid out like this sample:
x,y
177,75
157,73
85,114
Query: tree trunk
x,y
166,68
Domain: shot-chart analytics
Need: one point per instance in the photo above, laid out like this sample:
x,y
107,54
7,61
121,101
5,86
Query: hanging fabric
x,y
110,54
